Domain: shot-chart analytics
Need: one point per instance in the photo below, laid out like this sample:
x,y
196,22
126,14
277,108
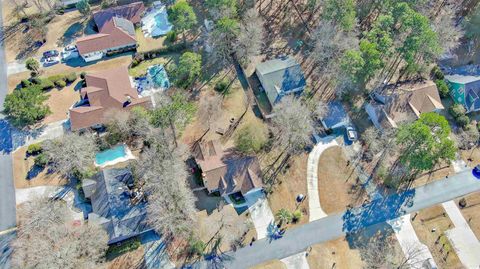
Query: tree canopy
x,y
342,12
188,69
26,106
182,16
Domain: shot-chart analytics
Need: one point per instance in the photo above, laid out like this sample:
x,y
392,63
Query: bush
x,y
221,86
36,80
34,149
82,75
442,88
71,77
124,247
46,84
297,216
60,84
25,83
457,110
56,78
171,36
251,139
41,160
436,73
463,121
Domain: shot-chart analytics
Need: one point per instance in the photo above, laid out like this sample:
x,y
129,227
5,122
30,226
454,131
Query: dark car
x,y
51,53
476,171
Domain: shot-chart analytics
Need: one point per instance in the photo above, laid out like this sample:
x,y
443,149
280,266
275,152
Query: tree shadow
x,y
73,32
34,171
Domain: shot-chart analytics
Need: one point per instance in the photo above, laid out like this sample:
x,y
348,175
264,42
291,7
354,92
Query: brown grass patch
x,y
148,43
336,181
21,166
131,259
471,212
436,218
436,174
291,184
59,101
473,154
336,251
275,264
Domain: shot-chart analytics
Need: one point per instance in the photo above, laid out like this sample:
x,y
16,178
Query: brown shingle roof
x,y
132,12
106,90
226,171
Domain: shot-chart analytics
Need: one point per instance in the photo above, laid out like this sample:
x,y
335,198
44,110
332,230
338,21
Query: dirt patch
x,y
430,225
336,182
275,264
436,174
132,259
473,155
291,184
335,252
22,168
471,212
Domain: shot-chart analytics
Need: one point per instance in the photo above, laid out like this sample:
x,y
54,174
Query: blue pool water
x,y
158,76
110,155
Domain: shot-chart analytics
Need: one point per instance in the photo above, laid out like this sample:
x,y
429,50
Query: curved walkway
x,y
314,207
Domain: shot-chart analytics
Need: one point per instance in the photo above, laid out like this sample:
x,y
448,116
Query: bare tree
x,y
320,110
468,138
251,36
448,30
384,253
71,153
46,238
128,125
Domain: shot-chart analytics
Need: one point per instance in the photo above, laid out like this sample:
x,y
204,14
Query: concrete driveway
x,y
261,215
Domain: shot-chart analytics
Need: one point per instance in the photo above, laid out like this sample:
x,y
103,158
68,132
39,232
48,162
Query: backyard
x,y
141,69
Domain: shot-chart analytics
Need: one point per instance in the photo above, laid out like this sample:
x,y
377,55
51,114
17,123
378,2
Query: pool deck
x,y
128,156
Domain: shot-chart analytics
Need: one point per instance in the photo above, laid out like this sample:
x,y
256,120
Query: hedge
x,y
34,149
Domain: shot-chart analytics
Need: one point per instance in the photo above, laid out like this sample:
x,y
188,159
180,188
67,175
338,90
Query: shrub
x,y
71,77
221,86
36,80
436,73
457,110
463,121
171,36
41,160
251,139
25,83
124,247
60,84
442,88
82,75
34,149
46,84
297,216
56,78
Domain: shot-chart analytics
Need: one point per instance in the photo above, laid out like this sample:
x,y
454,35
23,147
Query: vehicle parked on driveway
x,y
70,48
51,61
352,134
51,53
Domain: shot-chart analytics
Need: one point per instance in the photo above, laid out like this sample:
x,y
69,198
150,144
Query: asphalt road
x,y
7,189
334,226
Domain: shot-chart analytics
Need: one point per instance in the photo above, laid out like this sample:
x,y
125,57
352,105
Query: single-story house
x,y
336,118
395,105
116,31
226,172
280,77
116,204
107,90
465,90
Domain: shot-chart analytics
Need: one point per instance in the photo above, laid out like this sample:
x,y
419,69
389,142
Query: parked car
x,y
50,53
352,134
70,48
51,61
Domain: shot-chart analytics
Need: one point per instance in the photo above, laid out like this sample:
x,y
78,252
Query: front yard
x,y
471,212
334,254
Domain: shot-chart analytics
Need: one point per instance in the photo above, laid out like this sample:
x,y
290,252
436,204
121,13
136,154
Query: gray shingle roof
x,y
125,25
336,117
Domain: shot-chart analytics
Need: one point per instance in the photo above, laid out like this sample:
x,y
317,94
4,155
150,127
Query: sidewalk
x,y
297,261
415,251
462,237
314,207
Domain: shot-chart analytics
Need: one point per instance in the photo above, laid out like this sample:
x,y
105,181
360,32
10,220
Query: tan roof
x,y
106,90
110,36
408,102
226,171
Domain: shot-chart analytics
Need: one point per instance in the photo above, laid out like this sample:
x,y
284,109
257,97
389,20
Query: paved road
x,y
7,190
333,226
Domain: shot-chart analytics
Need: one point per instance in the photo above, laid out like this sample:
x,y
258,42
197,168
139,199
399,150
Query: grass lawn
x,y
335,251
472,212
148,43
60,101
21,168
275,264
336,181
293,183
141,69
131,259
425,221
437,174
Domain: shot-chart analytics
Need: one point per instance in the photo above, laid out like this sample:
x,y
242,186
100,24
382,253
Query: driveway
x,y
297,261
261,215
314,207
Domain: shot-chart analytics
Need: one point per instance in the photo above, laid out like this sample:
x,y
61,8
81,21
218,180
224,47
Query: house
x,y
116,32
395,105
116,204
107,90
280,77
336,117
465,90
226,172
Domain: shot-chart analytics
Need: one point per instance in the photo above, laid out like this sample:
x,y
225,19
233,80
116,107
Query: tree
x,y
71,154
472,31
221,8
46,238
425,142
126,126
449,32
283,216
26,106
83,7
251,139
188,69
223,40
442,88
32,65
292,124
320,110
183,17
251,36
468,138
377,141
341,12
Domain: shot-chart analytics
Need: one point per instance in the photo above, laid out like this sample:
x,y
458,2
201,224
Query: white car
x,y
51,61
352,134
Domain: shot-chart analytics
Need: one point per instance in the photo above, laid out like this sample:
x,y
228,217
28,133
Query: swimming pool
x,y
112,156
155,23
158,76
